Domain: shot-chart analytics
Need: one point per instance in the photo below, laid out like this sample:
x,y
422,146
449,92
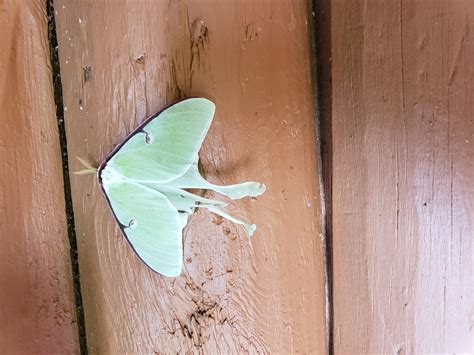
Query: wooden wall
x,y
403,176
253,60
393,105
37,309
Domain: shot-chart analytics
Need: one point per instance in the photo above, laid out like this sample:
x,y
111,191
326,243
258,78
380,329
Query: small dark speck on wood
x,y
87,73
140,59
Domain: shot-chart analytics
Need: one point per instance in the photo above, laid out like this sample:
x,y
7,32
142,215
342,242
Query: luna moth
x,y
145,181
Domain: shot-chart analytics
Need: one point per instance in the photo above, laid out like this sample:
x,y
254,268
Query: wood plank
x,y
403,176
121,62
36,293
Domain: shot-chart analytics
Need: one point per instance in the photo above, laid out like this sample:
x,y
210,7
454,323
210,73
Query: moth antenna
x,y
89,168
84,172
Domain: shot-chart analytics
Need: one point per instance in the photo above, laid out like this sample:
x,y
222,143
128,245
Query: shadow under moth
x,y
145,181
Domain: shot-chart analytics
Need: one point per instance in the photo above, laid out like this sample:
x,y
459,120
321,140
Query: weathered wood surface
x,y
403,176
37,305
123,60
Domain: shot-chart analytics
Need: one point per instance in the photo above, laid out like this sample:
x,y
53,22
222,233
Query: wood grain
x,y
36,295
403,176
123,60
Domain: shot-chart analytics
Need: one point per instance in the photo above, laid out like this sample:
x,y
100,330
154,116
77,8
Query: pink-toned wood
x,y
403,176
36,296
123,60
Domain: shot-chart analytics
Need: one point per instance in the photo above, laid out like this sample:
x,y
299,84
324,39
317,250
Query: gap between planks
x,y
320,37
58,100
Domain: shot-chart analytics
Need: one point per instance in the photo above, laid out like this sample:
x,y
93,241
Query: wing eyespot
x,y
148,138
133,223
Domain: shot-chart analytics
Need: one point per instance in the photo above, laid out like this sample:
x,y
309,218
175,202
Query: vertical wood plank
x,y
36,295
403,176
123,60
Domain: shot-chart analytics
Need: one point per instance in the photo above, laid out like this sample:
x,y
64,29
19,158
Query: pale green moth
x,y
144,180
